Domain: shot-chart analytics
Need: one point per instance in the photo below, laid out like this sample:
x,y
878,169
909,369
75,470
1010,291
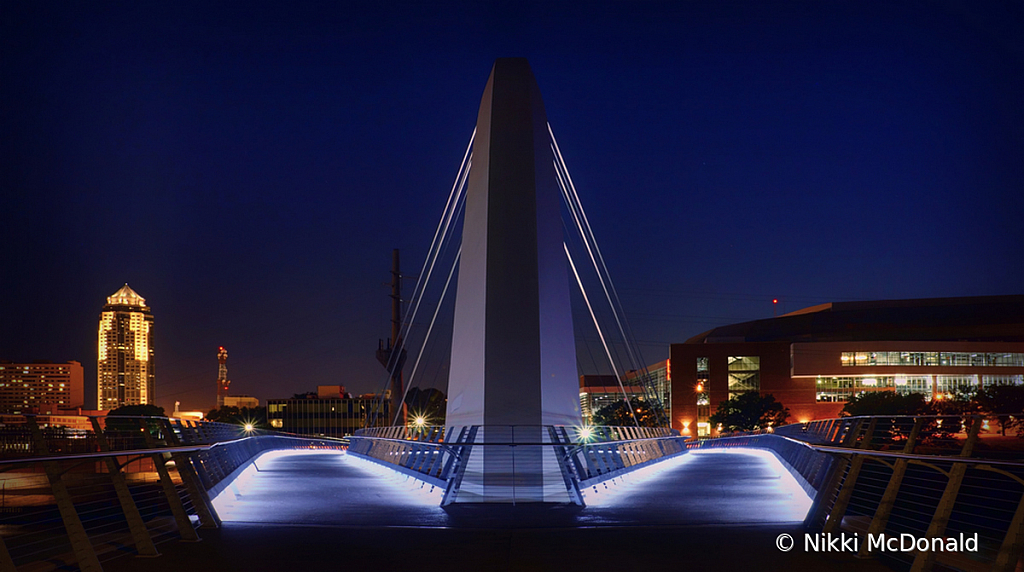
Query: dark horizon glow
x,y
248,168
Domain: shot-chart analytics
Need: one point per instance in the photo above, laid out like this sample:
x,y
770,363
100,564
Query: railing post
x,y
6,562
140,535
1009,552
84,552
572,482
200,500
925,560
461,459
835,517
899,470
181,519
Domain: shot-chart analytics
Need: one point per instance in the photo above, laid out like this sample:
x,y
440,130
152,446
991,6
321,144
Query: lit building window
x,y
744,374
703,397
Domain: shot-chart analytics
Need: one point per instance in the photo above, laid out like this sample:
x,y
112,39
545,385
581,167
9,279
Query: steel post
x,y
1009,552
899,470
835,517
200,500
181,519
80,544
140,535
926,560
6,562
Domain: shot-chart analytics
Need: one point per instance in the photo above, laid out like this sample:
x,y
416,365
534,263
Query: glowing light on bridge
x,y
585,433
407,489
616,492
300,486
779,496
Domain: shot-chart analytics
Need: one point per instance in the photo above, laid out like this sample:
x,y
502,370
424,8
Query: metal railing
x,y
584,457
923,476
102,487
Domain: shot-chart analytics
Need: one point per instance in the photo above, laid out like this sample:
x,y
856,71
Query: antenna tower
x,y
222,376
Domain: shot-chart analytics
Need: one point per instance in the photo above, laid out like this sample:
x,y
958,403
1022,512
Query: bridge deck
x,y
330,488
323,510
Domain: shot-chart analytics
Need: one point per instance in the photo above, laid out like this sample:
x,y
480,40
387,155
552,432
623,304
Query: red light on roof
x,y
775,300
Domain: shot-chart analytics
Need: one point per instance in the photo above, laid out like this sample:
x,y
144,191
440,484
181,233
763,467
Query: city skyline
x,y
250,171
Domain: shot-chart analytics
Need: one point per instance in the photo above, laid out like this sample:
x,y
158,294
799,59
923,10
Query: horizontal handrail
x,y
155,450
103,454
916,457
709,444
514,443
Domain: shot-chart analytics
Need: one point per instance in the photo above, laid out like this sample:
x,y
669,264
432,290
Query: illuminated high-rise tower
x,y
125,373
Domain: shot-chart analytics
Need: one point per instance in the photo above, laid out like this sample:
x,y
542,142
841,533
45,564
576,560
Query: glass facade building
x,y
814,360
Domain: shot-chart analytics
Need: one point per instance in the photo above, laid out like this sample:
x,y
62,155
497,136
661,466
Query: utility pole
x,y
386,355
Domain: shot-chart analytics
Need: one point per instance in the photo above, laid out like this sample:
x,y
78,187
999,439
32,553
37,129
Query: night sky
x,y
248,167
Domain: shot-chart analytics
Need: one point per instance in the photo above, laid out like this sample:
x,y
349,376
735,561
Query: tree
x,y
113,423
617,414
239,416
885,403
427,403
1005,403
750,411
962,402
148,410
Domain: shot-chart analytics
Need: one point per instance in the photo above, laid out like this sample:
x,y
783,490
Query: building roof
x,y
126,297
978,318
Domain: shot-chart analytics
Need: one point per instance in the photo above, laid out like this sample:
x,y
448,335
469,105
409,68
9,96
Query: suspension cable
x,y
601,335
575,208
433,319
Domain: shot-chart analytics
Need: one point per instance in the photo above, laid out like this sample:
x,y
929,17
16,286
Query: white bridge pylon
x,y
513,352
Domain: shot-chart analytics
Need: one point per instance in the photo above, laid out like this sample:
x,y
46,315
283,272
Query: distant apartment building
x,y
41,387
329,413
125,369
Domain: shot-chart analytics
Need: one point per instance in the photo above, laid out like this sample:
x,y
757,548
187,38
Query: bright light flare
x,y
585,433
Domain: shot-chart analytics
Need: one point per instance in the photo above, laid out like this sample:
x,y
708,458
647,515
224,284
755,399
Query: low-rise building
x,y
331,415
814,360
599,391
241,401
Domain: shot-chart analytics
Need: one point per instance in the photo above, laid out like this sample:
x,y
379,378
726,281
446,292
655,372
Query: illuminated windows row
x,y
1003,359
837,389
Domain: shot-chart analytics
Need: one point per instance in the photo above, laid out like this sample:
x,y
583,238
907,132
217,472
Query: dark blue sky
x,y
248,167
